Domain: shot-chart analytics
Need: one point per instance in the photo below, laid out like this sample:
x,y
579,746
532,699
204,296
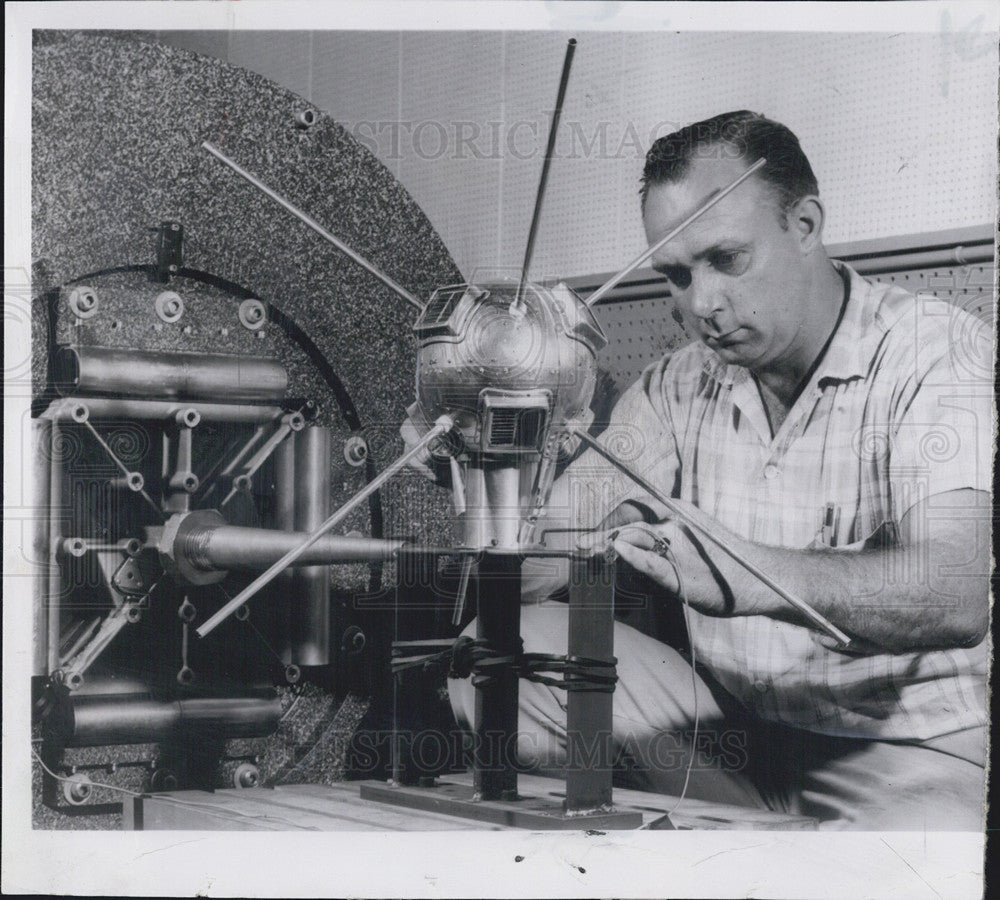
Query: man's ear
x,y
805,220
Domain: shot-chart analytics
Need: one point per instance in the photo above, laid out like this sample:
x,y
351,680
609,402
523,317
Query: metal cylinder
x,y
309,611
159,374
284,519
199,548
476,531
41,431
503,493
238,547
71,410
95,721
53,593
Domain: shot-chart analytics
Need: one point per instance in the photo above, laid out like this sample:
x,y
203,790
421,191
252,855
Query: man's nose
x,y
705,297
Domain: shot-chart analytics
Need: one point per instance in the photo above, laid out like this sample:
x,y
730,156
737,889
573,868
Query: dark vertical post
x,y
589,714
498,623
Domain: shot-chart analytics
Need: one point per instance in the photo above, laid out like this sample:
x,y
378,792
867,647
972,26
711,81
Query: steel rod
x,y
550,148
315,226
443,425
754,570
714,198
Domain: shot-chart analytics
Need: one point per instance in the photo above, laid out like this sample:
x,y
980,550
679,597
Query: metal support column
x,y
590,751
499,624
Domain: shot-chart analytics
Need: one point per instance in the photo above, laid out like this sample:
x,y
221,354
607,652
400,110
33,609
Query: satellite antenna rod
x,y
550,148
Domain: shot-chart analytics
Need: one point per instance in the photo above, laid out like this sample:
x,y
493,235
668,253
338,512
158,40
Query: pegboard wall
x,y
900,128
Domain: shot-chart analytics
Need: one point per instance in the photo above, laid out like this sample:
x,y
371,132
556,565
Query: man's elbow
x,y
971,623
973,630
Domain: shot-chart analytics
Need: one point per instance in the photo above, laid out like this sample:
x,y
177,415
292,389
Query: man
x,y
838,436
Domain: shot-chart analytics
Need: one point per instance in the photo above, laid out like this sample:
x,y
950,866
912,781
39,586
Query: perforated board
x,y
900,128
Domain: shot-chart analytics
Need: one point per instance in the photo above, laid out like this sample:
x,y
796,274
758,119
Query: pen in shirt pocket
x,y
831,524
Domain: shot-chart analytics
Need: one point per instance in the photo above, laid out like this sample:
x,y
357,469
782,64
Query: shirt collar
x,y
847,356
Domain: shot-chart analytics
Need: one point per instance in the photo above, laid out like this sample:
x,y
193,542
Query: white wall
x,y
900,128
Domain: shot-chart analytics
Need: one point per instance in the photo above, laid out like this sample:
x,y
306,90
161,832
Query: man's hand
x,y
414,427
674,557
943,545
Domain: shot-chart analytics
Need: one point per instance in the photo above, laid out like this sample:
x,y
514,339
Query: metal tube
x,y
95,721
309,612
924,259
315,226
653,491
443,425
238,547
503,494
160,410
284,520
162,375
714,198
476,526
53,597
41,431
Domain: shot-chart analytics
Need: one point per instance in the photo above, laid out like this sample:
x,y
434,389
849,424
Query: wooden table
x,y
339,807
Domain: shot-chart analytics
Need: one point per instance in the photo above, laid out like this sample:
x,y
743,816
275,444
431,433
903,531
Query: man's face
x,y
739,278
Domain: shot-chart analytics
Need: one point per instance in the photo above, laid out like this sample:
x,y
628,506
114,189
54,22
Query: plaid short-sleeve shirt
x,y
899,410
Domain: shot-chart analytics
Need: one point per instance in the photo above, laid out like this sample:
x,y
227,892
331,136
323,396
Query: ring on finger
x,y
661,546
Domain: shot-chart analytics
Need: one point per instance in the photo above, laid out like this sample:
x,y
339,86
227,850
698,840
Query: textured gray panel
x,y
117,129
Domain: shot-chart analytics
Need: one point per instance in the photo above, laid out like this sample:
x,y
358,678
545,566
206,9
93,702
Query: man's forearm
x,y
931,592
875,595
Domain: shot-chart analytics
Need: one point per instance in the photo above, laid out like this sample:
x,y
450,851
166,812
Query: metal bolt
x,y
252,314
187,329
83,301
355,450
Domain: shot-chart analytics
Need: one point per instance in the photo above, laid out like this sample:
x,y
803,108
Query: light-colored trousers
x,y
846,783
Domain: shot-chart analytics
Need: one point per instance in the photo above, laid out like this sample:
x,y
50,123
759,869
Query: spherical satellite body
x,y
507,368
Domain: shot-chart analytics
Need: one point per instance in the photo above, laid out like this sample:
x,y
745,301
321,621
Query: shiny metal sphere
x,y
507,371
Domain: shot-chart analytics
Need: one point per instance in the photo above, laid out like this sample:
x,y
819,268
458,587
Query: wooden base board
x,y
340,807
539,813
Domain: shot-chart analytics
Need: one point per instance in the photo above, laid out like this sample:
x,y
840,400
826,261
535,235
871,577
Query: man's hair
x,y
735,135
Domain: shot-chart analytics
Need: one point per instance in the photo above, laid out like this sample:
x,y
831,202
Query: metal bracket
x,y
169,250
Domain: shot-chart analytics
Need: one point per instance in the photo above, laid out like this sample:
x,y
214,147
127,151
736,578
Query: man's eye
x,y
732,262
679,276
